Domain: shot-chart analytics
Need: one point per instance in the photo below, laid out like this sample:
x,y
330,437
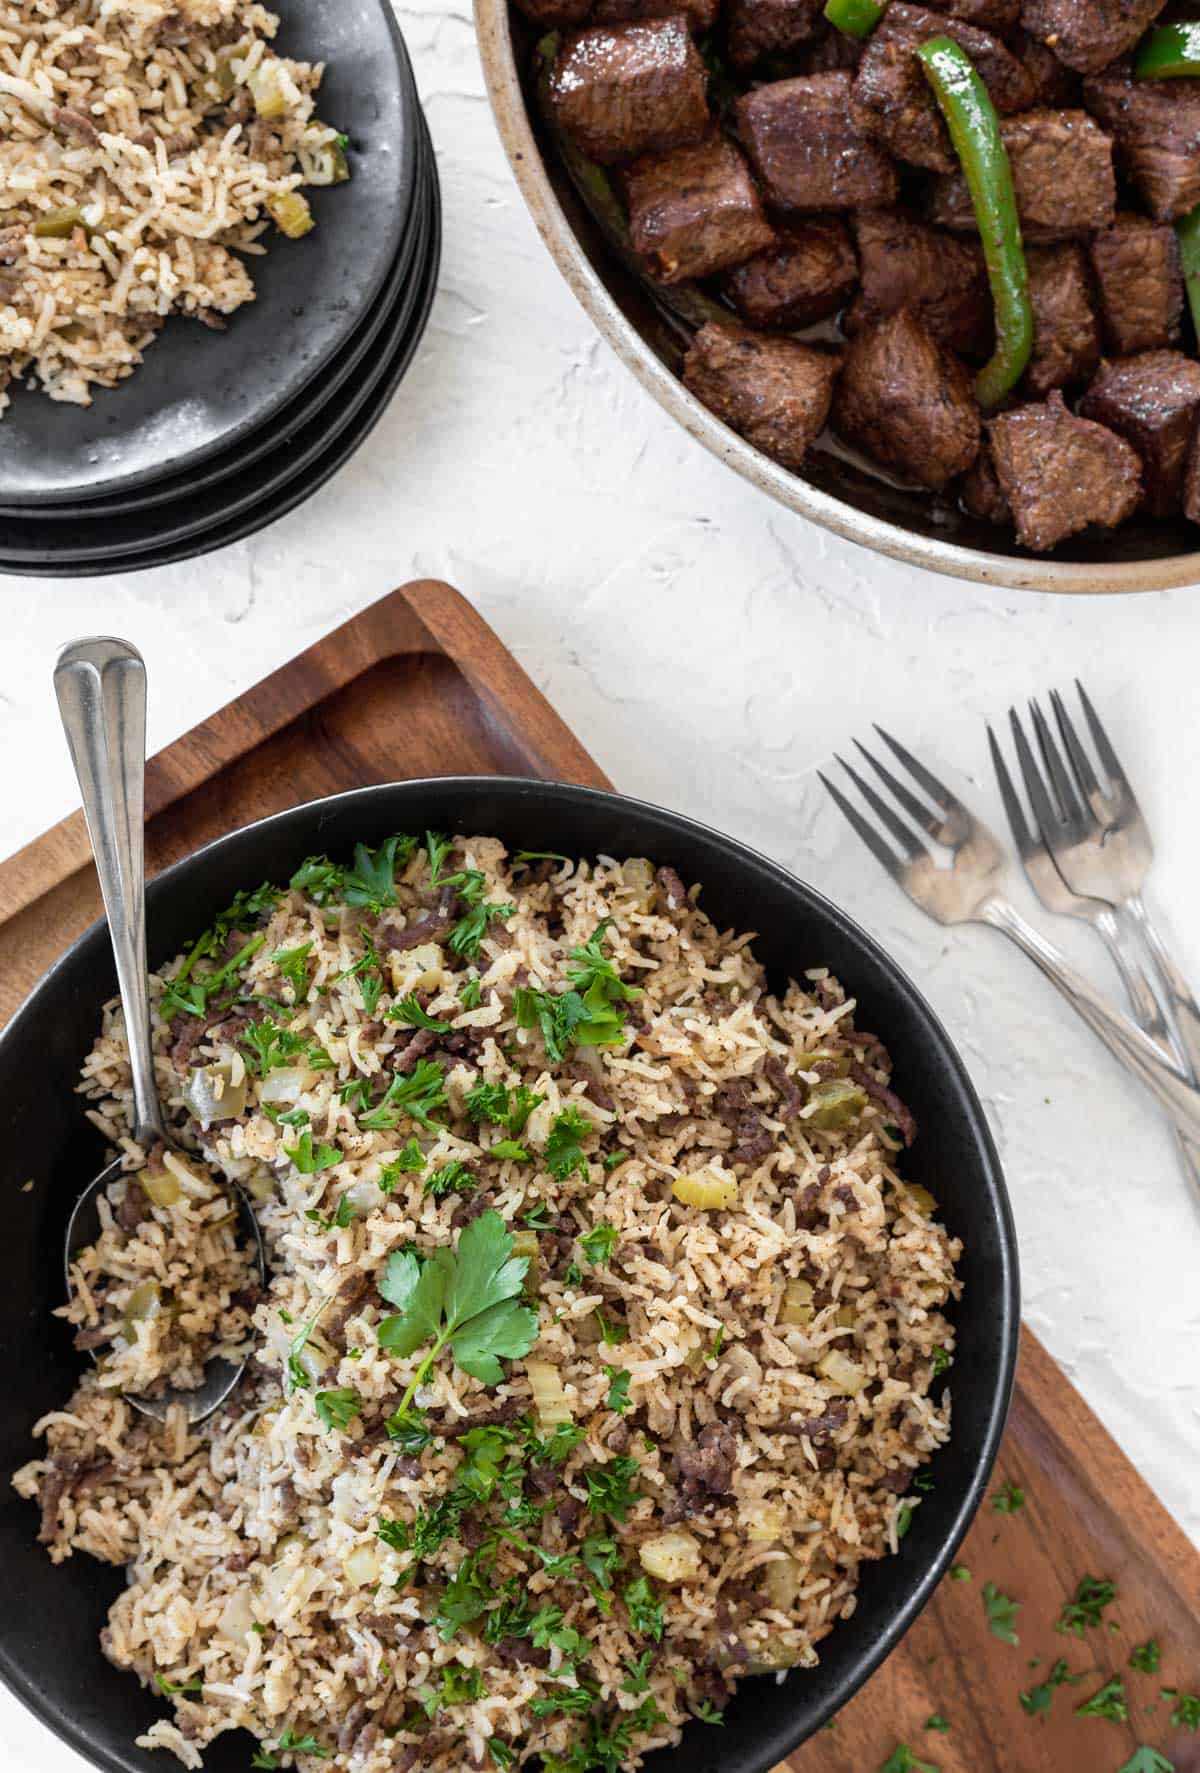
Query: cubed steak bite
x,y
906,402
989,15
891,100
622,90
1088,34
1140,283
980,492
1062,170
904,263
1054,84
807,150
1059,474
773,392
695,211
1066,331
701,15
1152,401
755,28
556,15
1156,124
1191,482
808,274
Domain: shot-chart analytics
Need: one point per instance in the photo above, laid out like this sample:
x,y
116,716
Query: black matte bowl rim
x,y
23,1682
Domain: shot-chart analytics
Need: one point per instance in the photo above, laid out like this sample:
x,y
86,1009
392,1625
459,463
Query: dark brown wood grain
x,y
419,685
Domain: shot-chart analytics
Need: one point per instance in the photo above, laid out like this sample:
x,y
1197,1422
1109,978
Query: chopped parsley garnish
x,y
1036,1703
188,992
960,1573
1185,1713
466,1300
170,1688
293,964
612,1331
564,1149
411,1159
590,1013
1087,1609
941,1360
564,1699
407,1429
537,1218
600,1558
503,1756
707,1712
618,1390
609,1488
409,1010
272,1046
461,1685
903,1760
1109,1703
452,1178
636,1683
939,1723
290,1743
1147,1760
470,994
415,1095
1001,1612
1009,1499
1146,1657
308,1161
503,1107
539,856
904,1519
368,971
343,1216
509,1150
337,1409
299,1378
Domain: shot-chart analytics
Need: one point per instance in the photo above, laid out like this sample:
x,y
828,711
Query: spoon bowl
x,y
101,689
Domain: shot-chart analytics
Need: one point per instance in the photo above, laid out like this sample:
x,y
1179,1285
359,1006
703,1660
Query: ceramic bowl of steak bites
x,y
771,223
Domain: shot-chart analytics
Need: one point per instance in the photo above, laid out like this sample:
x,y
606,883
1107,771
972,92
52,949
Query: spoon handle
x,y
101,689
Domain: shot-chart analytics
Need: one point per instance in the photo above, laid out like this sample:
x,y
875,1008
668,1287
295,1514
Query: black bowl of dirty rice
x,y
641,1313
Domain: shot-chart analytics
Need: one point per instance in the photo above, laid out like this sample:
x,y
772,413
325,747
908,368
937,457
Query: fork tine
x,y
1023,837
937,791
865,830
1068,801
1081,763
1108,757
1043,812
925,819
908,841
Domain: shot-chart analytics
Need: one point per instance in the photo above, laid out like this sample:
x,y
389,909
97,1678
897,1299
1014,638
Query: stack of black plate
x,y
218,433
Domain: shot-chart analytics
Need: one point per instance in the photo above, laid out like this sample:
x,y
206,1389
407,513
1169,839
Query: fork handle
x,y
1120,931
1123,1038
1182,1006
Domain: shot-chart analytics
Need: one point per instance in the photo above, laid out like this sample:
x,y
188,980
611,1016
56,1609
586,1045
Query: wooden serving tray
x,y
419,685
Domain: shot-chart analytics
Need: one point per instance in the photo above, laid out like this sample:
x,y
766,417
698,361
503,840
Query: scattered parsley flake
x,y
599,1243
1186,1708
1001,1612
903,1760
337,1409
1109,1703
642,1604
707,1712
411,1011
1147,1760
564,1148
937,1722
618,1390
415,1094
609,1488
1009,1499
960,1573
308,1161
1087,1609
1145,1658
412,1158
1036,1702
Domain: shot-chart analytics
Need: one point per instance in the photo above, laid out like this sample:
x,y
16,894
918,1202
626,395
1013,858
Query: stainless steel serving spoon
x,y
101,689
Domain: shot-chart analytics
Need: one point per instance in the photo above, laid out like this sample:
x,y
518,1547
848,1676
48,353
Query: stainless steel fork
x,y
971,890
1077,871
1101,845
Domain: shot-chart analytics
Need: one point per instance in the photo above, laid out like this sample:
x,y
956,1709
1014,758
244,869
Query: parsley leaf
x,y
599,1243
1186,1711
1087,1609
464,1300
1146,1657
412,1158
470,993
272,1045
612,1332
308,1161
539,856
587,1014
564,1151
509,1149
1009,1499
293,964
320,878
416,1094
371,882
941,1360
337,1409
1147,1760
452,1178
343,1216
409,1010
707,1712
618,1390
609,1489
1109,1703
903,1760
637,1682
939,1723
169,1689
600,1558
960,1573
1001,1613
1036,1703
503,1107
302,1745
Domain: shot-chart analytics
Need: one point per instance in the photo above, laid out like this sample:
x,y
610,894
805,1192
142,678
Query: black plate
x,y
48,1645
297,466
199,391
369,338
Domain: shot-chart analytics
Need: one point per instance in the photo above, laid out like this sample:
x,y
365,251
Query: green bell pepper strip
x,y
1188,230
1170,52
857,18
975,131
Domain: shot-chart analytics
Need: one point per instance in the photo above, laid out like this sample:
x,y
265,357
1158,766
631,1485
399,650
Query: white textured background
x,y
712,650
